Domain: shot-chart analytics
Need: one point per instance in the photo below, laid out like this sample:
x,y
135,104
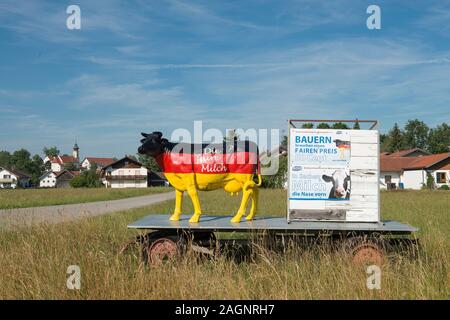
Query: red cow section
x,y
237,162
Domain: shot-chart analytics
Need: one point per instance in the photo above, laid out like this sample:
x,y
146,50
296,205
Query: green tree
x,y
416,134
70,166
149,162
339,125
36,169
439,139
395,140
356,126
5,159
51,152
86,179
277,180
20,159
308,125
323,125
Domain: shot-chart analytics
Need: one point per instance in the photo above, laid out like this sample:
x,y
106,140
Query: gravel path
x,y
54,214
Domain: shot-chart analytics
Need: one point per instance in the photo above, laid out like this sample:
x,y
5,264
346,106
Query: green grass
x,y
24,198
34,260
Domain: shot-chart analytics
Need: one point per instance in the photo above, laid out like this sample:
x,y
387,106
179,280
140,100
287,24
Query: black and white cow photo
x,y
340,180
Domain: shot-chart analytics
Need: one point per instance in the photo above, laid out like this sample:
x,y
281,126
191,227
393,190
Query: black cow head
x,y
152,144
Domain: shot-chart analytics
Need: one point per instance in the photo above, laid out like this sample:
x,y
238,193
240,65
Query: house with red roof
x,y
59,163
409,169
99,162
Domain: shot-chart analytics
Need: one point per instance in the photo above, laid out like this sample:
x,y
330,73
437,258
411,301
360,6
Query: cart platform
x,y
271,224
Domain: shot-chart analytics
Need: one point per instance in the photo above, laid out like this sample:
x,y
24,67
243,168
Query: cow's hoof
x,y
174,217
194,219
236,220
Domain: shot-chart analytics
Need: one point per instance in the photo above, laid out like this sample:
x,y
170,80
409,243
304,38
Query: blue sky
x,y
159,65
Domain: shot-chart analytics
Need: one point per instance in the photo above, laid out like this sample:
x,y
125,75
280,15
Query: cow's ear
x,y
158,134
327,178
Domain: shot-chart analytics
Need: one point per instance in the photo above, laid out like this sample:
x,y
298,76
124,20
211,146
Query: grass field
x,y
34,261
23,198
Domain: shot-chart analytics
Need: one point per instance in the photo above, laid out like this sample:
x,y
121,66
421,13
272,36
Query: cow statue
x,y
191,167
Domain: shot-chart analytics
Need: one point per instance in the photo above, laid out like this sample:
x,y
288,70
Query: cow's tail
x,y
259,180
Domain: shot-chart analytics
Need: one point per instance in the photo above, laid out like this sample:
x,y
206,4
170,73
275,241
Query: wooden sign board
x,y
333,175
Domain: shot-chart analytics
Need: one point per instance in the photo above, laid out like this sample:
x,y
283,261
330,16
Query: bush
x,y
444,187
87,179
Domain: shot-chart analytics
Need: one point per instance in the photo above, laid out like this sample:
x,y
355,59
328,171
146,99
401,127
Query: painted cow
x,y
191,167
341,184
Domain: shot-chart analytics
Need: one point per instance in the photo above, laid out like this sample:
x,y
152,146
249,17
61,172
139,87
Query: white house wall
x,y
414,179
48,181
395,178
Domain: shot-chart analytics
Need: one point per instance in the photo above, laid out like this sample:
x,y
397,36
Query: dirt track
x,y
53,214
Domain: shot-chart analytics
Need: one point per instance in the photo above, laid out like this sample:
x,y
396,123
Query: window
x,y
387,179
440,177
6,176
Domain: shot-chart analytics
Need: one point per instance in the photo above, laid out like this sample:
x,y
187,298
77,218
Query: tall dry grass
x,y
34,261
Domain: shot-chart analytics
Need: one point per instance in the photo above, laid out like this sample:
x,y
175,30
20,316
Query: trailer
x,y
333,193
165,240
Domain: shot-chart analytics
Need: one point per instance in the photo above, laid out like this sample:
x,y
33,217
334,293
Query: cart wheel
x,y
367,253
163,250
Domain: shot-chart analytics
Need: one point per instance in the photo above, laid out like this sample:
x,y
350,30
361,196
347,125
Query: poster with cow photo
x,y
319,174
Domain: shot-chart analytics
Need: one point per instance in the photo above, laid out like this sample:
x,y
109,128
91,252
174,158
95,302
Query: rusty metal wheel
x,y
162,250
367,254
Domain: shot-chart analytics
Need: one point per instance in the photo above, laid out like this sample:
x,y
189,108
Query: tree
x,y
439,139
279,179
416,134
70,166
339,125
323,125
5,159
20,159
86,179
51,152
395,140
308,125
149,162
356,126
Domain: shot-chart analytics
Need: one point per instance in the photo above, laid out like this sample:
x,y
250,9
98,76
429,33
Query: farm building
x,y
99,162
11,178
125,173
409,169
57,179
58,163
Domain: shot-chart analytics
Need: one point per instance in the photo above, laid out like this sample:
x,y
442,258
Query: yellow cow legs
x,y
254,205
245,195
192,191
178,206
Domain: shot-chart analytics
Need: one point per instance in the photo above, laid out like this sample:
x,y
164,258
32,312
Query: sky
x,y
161,65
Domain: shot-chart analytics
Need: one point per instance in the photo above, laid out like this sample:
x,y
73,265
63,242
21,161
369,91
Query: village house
x,y
125,173
11,179
87,163
60,179
59,163
408,169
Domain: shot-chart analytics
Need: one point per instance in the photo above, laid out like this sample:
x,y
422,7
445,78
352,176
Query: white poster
x,y
333,175
319,175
